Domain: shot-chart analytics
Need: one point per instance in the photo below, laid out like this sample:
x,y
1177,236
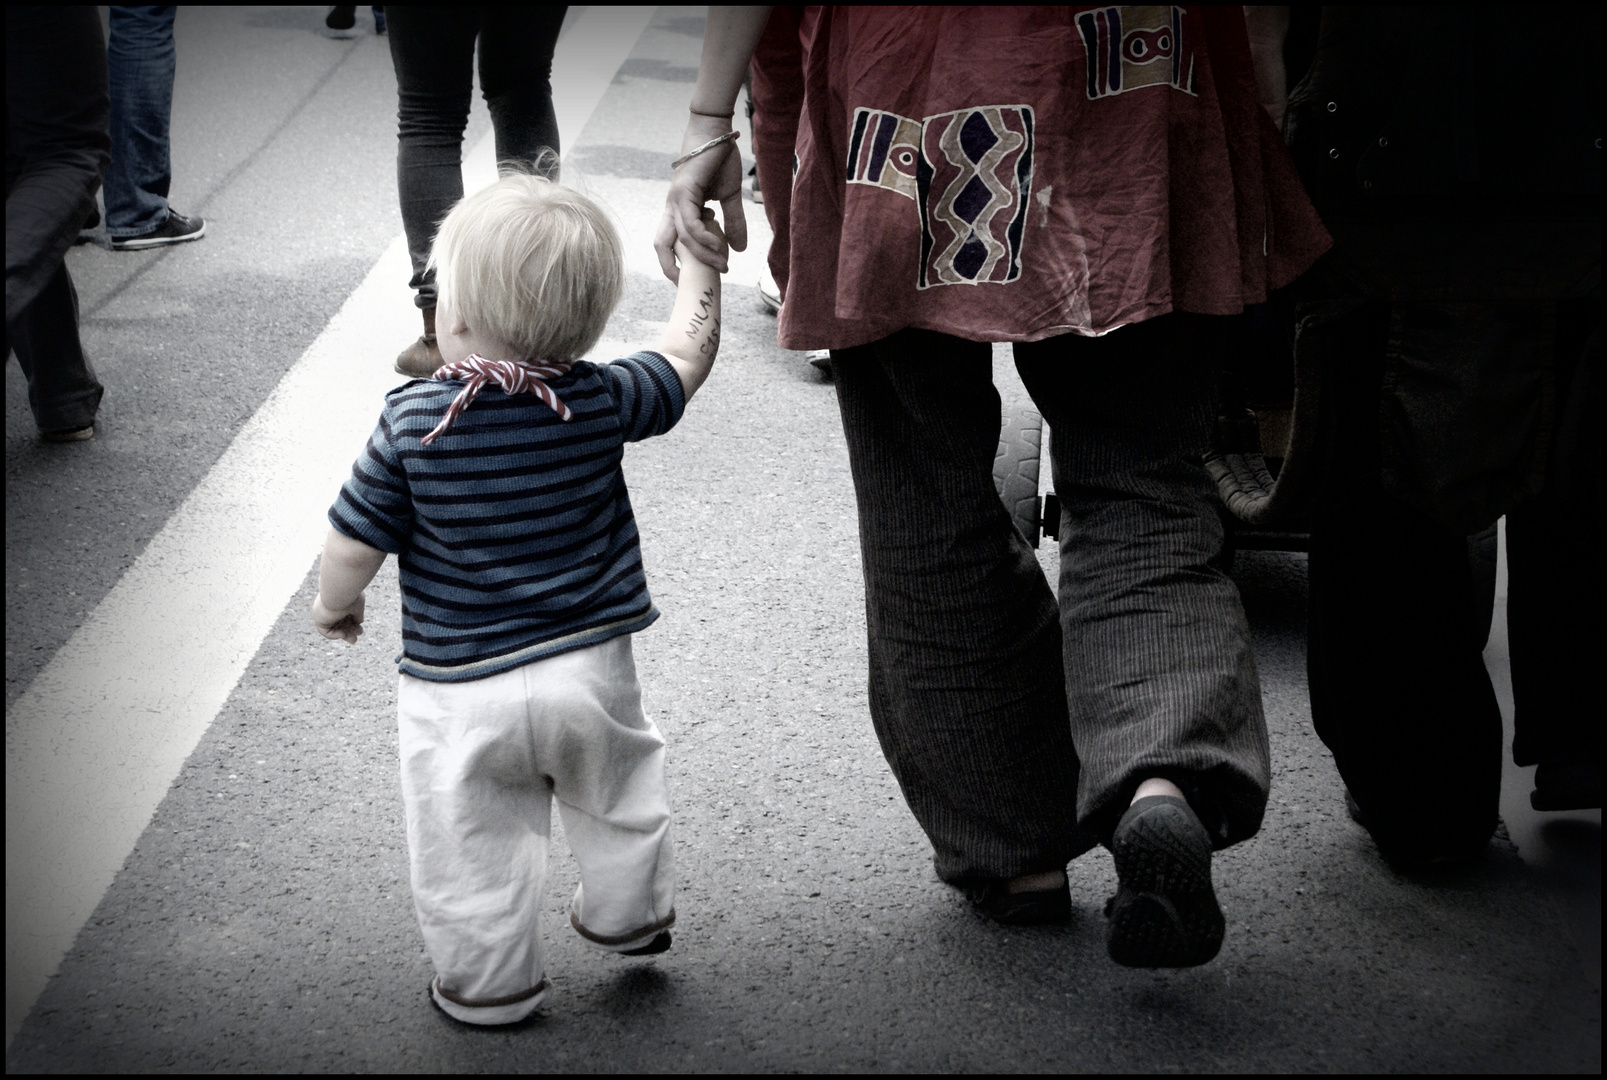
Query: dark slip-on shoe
x,y
1041,907
1164,913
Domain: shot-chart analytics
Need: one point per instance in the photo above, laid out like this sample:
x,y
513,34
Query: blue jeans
x,y
140,56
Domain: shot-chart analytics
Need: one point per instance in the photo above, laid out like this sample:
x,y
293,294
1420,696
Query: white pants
x,y
481,762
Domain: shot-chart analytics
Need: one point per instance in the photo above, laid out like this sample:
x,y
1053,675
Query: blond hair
x,y
531,264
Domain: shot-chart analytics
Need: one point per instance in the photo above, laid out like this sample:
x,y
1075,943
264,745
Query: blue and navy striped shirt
x,y
514,529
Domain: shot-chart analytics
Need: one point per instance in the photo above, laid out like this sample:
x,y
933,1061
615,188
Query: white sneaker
x,y
769,291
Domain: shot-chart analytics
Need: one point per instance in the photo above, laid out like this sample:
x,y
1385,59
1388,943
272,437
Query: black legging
x,y
433,51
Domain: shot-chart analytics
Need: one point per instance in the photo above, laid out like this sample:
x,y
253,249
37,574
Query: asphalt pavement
x,y
262,920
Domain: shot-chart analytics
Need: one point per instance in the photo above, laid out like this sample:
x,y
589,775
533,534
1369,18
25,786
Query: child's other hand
x,y
344,625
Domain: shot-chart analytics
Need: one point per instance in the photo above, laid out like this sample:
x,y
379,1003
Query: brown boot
x,y
420,359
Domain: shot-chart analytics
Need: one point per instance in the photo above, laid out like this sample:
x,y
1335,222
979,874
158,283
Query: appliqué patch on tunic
x,y
1132,47
973,181
970,174
884,150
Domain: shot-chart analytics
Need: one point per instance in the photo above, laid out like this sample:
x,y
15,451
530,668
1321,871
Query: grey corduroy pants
x,y
1019,729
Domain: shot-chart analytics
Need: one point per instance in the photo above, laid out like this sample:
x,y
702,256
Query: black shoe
x,y
1164,913
1041,907
379,20
652,948
341,18
175,230
1418,858
1566,786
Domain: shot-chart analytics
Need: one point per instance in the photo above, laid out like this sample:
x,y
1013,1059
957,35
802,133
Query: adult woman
x,y
1091,185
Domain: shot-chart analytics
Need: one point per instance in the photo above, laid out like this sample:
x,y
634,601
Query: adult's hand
x,y
728,40
714,175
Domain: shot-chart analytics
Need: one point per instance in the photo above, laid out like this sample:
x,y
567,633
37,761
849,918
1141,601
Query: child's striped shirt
x,y
514,531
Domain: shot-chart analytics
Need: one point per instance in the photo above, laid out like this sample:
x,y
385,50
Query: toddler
x,y
497,484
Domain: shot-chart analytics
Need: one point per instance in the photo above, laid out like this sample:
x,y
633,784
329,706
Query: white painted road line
x,y
96,740
593,49
94,743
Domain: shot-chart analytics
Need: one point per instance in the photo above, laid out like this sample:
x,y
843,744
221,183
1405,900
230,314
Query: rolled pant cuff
x,y
631,939
142,228
486,1012
1229,802
70,412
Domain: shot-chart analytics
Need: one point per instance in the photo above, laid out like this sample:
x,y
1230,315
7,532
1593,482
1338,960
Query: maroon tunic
x,y
1013,173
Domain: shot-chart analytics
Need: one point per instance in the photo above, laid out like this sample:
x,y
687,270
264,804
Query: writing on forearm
x,y
692,336
700,317
711,344
705,325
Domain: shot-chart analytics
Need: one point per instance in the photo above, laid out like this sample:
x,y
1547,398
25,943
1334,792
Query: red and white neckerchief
x,y
514,376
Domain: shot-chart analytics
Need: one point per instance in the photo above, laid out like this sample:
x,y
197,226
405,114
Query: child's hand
x,y
344,625
711,223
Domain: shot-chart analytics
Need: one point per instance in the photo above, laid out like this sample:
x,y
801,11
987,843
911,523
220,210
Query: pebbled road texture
x,y
264,921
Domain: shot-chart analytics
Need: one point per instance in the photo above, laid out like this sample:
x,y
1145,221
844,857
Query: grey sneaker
x,y
175,230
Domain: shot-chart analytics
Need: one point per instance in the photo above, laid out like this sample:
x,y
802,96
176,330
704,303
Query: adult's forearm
x,y
729,38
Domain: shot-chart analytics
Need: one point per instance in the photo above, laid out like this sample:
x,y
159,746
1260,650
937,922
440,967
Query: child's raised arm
x,y
692,338
344,572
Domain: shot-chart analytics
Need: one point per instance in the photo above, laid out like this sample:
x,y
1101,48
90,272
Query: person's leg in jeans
x,y
1399,691
516,45
56,150
141,58
966,692
1162,688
